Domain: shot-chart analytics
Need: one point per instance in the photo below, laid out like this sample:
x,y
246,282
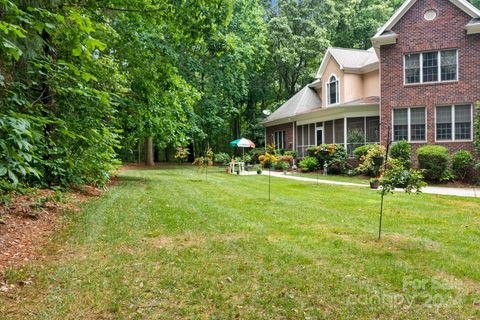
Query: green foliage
x,y
402,151
462,163
370,166
17,151
361,152
434,161
337,160
292,154
222,158
283,165
398,177
356,137
309,164
182,153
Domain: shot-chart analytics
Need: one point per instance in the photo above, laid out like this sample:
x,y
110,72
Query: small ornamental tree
x,y
410,180
205,161
182,154
267,161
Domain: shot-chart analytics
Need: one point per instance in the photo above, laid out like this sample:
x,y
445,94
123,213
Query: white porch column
x,y
345,135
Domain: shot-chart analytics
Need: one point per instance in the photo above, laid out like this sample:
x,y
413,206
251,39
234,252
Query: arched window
x,y
333,92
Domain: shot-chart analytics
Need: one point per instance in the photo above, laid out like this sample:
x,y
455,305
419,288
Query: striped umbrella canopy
x,y
242,143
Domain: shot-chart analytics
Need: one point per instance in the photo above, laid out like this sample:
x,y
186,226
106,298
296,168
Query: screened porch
x,y
359,131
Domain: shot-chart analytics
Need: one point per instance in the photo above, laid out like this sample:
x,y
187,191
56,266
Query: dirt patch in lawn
x,y
28,222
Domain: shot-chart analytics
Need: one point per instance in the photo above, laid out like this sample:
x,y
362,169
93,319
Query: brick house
x,y
420,82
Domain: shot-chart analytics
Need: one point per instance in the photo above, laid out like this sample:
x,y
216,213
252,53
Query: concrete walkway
x,y
459,192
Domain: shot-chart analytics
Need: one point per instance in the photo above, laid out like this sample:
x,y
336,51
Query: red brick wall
x,y
288,128
415,34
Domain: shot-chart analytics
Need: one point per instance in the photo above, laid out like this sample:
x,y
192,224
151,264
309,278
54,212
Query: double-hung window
x,y
431,67
454,123
409,124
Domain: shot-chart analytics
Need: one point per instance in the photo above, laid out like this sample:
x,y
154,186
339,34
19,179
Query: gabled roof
x,y
352,60
464,5
305,100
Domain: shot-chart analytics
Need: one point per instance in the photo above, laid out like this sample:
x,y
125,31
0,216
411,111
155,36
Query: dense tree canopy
x,y
85,84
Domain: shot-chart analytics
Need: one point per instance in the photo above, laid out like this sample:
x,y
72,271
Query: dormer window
x,y
333,92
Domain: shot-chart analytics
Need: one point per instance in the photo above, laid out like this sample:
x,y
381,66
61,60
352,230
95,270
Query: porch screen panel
x,y
339,131
373,130
328,134
299,139
305,135
312,131
355,133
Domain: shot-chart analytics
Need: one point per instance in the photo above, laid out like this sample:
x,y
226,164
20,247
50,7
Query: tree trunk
x,y
139,152
149,161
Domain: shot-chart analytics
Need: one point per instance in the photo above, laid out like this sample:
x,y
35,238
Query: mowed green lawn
x,y
165,244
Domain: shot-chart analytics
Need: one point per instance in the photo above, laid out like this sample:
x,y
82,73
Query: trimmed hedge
x,y
434,161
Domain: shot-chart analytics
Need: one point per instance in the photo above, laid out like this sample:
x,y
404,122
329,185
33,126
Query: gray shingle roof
x,y
305,100
353,58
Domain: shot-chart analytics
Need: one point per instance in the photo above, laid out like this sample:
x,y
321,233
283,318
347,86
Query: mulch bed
x,y
27,223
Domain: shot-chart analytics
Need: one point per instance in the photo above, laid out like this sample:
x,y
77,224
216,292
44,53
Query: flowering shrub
x,y
267,160
287,159
368,163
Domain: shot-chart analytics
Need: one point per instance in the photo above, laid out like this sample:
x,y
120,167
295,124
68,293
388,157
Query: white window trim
x,y
439,57
281,135
409,125
328,92
452,107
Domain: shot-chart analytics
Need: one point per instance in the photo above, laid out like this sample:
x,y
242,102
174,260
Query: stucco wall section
x,y
371,84
332,68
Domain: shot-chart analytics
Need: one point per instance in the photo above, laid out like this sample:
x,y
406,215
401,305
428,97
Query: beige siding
x,y
353,87
371,84
332,68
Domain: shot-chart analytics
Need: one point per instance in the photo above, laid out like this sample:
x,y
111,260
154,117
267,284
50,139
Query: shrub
x,y
287,159
309,164
402,151
368,166
399,177
222,158
336,160
256,153
462,163
312,152
283,165
361,152
268,160
434,161
293,154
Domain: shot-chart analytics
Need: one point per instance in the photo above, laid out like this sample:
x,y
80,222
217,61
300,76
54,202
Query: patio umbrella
x,y
242,143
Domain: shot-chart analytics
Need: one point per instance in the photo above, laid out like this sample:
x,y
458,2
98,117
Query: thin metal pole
x,y
383,190
381,216
269,184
